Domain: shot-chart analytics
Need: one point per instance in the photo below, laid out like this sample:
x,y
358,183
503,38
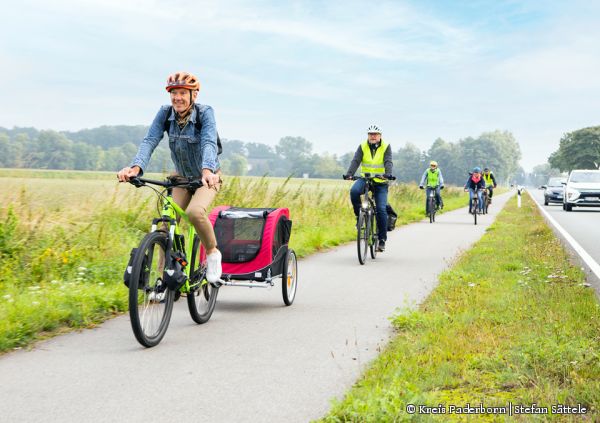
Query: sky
x,y
323,70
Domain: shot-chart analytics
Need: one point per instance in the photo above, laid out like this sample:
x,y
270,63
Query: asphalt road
x,y
255,360
582,223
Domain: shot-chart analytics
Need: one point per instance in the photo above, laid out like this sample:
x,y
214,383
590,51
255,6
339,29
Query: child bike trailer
x,y
254,246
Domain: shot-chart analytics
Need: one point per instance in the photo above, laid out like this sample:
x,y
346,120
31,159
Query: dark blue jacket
x,y
472,185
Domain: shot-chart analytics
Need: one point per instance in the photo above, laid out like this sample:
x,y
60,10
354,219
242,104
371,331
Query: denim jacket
x,y
190,151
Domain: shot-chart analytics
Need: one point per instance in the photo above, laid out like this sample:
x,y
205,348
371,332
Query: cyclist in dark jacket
x,y
475,184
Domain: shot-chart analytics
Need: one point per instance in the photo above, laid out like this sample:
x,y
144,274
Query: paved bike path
x,y
255,360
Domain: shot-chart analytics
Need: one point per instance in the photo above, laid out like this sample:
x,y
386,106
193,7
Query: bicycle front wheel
x,y
202,297
150,301
475,210
373,238
431,210
362,237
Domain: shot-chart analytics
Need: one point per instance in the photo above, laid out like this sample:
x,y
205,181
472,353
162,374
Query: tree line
x,y
579,149
112,147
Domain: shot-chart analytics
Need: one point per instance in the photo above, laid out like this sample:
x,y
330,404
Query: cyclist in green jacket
x,y
434,180
374,156
490,182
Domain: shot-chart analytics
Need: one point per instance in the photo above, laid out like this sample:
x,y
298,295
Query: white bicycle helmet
x,y
373,129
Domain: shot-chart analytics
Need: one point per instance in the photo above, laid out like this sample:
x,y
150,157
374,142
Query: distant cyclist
x,y
490,182
434,181
374,156
474,185
194,153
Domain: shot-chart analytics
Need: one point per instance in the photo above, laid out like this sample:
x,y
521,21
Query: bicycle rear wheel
x,y
362,237
150,301
373,238
202,297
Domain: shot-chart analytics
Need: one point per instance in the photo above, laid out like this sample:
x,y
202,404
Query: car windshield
x,y
555,182
585,177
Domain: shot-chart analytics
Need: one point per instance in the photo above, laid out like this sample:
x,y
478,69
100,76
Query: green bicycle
x,y
165,267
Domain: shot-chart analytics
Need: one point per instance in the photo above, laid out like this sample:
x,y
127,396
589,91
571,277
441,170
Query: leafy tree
x,y
86,157
10,152
578,150
231,147
55,151
345,159
296,155
327,166
257,150
238,165
409,163
445,154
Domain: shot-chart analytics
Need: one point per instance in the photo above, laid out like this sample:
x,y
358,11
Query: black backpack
x,y
392,217
198,126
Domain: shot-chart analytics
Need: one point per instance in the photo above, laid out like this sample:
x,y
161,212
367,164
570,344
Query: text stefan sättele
x,y
510,409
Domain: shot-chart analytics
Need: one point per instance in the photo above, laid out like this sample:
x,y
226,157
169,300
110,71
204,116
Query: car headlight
x,y
572,194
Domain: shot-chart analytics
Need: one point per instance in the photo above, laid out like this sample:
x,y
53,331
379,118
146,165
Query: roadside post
x,y
519,190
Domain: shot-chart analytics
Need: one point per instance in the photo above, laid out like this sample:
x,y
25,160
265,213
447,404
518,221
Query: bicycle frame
x,y
368,201
170,213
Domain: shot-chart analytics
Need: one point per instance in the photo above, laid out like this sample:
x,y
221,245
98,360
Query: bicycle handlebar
x,y
368,176
185,182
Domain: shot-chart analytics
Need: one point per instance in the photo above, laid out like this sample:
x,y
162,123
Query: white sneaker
x,y
213,267
157,297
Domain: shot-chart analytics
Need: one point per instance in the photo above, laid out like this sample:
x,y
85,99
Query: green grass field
x,y
65,238
511,322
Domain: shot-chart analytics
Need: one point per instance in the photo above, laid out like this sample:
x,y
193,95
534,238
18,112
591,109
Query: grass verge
x,y
511,322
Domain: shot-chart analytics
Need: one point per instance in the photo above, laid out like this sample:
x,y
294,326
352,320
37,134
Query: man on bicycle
x,y
475,184
194,153
434,181
490,182
374,156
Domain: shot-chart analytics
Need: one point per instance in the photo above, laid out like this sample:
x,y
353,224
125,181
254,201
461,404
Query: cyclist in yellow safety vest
x,y
490,182
374,156
434,180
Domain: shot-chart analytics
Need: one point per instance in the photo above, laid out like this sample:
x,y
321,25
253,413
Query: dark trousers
x,y
380,193
491,191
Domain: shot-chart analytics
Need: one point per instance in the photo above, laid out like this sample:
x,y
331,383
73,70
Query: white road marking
x,y
592,264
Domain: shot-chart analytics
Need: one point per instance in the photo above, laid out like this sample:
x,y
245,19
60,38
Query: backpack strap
x,y
167,124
